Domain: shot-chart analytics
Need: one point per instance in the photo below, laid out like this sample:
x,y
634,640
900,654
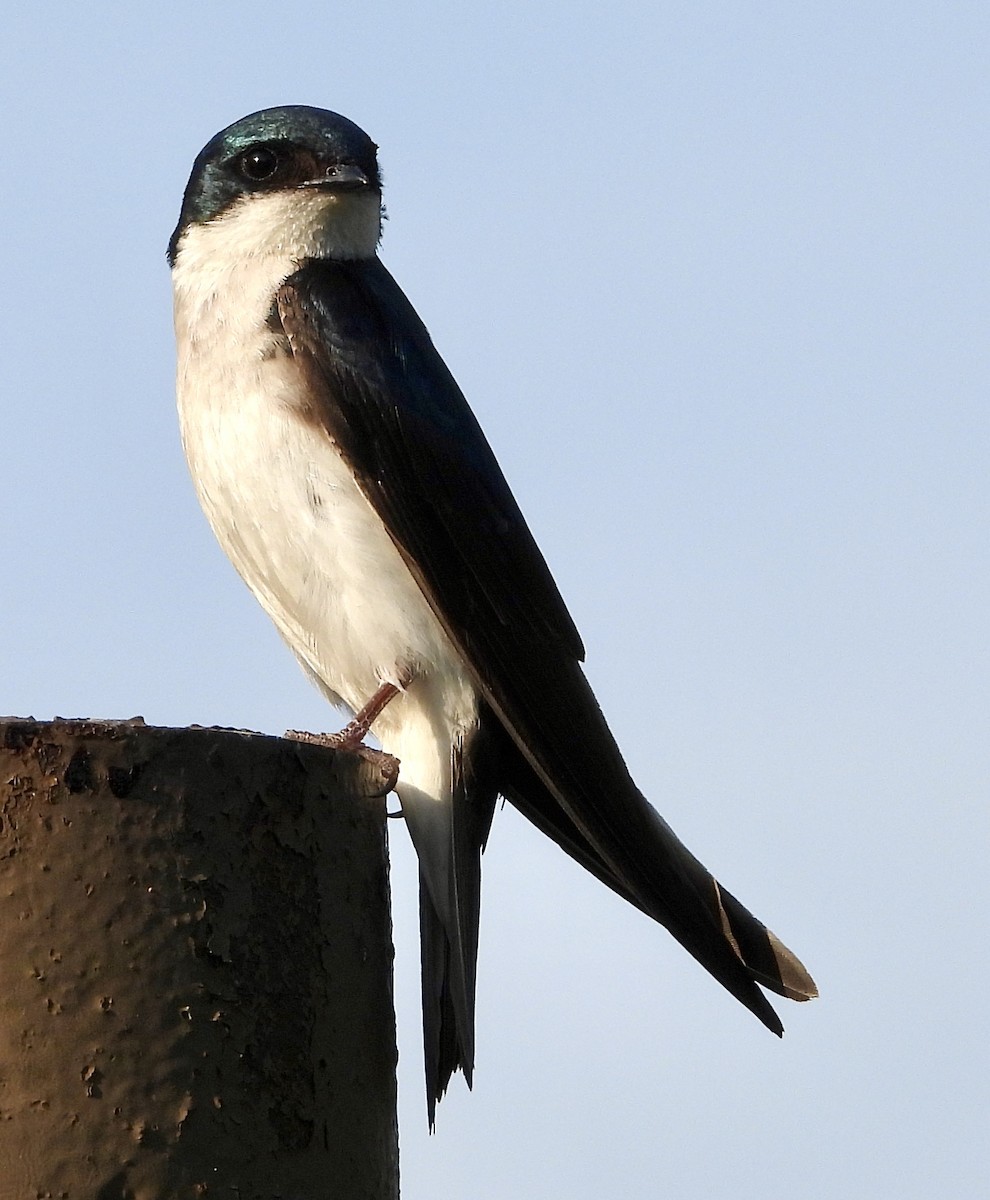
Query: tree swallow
x,y
354,491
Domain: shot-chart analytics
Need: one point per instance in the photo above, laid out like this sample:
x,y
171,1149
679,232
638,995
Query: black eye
x,y
258,164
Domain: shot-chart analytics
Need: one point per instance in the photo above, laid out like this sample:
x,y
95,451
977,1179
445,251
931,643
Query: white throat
x,y
224,267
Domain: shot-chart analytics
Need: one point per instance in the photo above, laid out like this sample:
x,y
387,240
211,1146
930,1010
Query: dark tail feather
x,y
441,1047
450,911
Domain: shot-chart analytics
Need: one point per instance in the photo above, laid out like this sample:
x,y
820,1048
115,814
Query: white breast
x,y
290,516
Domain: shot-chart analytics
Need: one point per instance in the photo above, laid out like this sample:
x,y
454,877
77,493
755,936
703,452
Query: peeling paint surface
x,y
195,948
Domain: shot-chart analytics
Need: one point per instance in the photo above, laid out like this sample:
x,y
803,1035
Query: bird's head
x,y
293,181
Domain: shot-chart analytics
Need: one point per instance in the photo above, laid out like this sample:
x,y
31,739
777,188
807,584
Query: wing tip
x,y
795,981
762,953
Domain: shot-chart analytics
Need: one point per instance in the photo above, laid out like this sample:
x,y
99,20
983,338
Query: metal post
x,y
195,967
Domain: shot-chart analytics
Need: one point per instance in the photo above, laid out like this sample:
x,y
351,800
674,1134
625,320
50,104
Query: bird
x,y
353,489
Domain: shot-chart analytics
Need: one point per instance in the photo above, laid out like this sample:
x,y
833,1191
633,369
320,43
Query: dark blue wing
x,y
397,414
381,390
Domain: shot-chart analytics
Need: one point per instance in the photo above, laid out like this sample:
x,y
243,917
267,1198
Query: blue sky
x,y
714,278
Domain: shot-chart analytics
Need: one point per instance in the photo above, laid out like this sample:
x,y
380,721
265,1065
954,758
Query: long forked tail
x,y
444,1050
449,839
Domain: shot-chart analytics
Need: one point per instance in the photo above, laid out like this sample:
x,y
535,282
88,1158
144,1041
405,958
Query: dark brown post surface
x,y
195,967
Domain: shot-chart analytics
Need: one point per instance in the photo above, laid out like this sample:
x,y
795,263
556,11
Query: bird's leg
x,y
356,730
352,736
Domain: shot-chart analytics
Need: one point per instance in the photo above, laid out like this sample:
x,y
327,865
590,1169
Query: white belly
x,y
290,516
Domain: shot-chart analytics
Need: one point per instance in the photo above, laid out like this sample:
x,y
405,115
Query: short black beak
x,y
339,177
